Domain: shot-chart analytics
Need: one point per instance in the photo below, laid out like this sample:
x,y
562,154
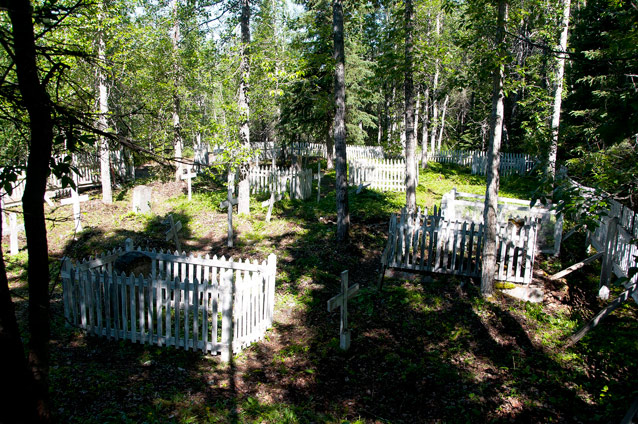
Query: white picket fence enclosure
x,y
215,305
88,166
469,207
265,179
511,163
431,243
378,174
616,236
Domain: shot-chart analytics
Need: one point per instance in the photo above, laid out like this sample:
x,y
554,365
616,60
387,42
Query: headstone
x,y
188,176
172,233
142,199
75,200
341,300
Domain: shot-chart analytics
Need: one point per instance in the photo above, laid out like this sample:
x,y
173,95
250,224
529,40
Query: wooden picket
x,y
265,179
213,305
510,163
430,243
386,175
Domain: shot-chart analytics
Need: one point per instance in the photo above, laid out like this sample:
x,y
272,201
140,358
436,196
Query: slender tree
x,y
558,91
178,142
103,109
243,197
493,158
339,129
410,136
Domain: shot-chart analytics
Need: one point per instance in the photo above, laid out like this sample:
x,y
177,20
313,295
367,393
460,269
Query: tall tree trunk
x,y
410,139
558,91
417,114
330,145
38,104
178,143
103,110
435,88
442,123
343,213
243,196
426,123
493,160
13,363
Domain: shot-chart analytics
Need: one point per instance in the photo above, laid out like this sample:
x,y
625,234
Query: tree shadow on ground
x,y
421,352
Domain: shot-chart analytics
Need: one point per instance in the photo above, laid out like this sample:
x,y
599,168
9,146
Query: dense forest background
x,y
164,76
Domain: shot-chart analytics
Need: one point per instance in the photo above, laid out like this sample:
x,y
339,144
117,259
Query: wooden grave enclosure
x,y
215,305
422,242
378,174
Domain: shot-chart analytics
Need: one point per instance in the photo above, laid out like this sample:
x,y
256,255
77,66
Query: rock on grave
x,y
133,262
142,199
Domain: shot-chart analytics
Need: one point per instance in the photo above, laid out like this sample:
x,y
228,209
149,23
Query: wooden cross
x,y
13,235
75,199
188,176
172,231
341,300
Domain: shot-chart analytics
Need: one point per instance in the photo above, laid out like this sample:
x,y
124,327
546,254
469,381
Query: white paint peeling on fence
x,y
385,175
422,242
213,305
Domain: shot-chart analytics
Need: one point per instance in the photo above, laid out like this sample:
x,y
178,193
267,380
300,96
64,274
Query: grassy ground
x,y
423,350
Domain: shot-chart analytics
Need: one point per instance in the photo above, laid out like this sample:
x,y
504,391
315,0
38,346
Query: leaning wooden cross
x,y
171,234
75,200
188,176
341,300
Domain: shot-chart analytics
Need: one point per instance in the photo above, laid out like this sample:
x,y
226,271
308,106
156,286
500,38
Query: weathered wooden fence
x,y
365,152
215,305
386,175
470,207
511,163
265,179
88,166
431,243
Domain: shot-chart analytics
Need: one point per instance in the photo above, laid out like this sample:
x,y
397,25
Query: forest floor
x,y
424,349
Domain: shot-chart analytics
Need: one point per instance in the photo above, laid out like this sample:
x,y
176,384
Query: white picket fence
x,y
88,166
215,305
265,179
364,152
431,243
470,207
511,163
616,236
378,174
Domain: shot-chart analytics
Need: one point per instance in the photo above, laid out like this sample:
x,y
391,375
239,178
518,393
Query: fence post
x,y
128,244
228,288
610,242
270,275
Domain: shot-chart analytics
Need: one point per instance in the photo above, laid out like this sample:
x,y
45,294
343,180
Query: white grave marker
x,y
341,300
75,200
188,176
142,199
13,236
171,234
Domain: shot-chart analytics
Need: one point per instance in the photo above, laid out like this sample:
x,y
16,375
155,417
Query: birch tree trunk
x,y
410,139
103,110
558,91
426,123
493,160
435,88
178,143
343,213
243,195
442,123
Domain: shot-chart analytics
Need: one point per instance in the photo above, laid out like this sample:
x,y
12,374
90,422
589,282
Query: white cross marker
x,y
341,300
188,176
75,199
